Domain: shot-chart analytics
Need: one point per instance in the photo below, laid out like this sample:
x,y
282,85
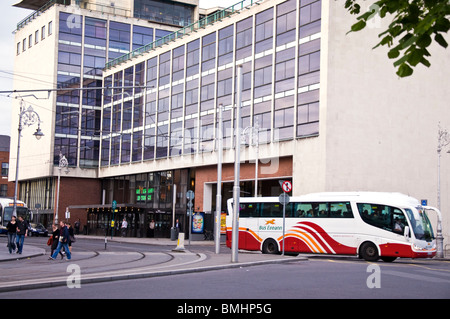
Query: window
x,y
50,28
30,40
323,210
3,190
24,45
43,33
36,36
264,31
297,210
209,52
18,48
226,45
382,216
5,169
141,36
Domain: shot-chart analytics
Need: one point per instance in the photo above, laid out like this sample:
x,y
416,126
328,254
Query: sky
x,y
10,16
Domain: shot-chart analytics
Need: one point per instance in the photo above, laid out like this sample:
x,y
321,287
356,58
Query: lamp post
x,y
237,151
443,141
63,163
27,117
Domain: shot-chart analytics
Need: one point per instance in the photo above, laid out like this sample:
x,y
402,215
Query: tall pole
x,y
236,188
256,136
219,180
27,117
443,141
17,168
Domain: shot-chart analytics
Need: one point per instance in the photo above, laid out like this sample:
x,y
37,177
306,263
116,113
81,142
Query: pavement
x,y
171,262
101,266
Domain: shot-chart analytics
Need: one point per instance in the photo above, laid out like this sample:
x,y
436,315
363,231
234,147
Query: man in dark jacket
x,y
64,238
22,227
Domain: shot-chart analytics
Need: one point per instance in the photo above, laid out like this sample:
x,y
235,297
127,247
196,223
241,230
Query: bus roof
x,y
5,201
366,197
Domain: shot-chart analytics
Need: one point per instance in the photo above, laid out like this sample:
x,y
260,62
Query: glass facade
x,y
169,12
280,56
85,44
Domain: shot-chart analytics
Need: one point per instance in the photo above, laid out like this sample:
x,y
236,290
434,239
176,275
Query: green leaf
x,y
404,70
425,62
394,53
415,57
423,41
401,60
440,39
358,26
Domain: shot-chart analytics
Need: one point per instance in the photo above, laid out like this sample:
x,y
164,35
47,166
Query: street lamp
x,y
443,141
63,163
27,117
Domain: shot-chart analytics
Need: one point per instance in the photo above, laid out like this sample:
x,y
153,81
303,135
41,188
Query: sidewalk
x,y
192,259
27,252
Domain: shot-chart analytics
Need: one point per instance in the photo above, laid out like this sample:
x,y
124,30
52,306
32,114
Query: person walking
x,y
55,240
124,227
22,227
12,229
77,226
63,241
71,236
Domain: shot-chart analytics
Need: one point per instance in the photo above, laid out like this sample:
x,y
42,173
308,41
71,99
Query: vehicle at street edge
x,y
37,230
371,225
6,211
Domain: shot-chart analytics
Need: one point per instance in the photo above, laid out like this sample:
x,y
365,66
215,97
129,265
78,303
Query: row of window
x,y
22,46
381,216
188,82
297,210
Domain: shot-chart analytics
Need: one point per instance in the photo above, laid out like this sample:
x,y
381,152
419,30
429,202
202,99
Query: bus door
x,y
248,226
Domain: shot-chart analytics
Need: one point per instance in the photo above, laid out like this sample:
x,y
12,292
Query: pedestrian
x,y
63,241
178,227
11,228
21,233
151,226
55,240
124,227
71,236
77,226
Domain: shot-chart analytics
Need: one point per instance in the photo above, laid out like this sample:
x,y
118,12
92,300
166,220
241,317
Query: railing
x,y
99,7
200,24
40,10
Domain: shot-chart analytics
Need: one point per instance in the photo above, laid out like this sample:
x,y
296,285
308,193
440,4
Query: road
x,y
336,278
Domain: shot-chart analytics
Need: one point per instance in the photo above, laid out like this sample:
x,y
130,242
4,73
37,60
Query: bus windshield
x,y
421,224
8,211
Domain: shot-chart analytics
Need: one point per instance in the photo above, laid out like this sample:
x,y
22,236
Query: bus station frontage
x,y
146,201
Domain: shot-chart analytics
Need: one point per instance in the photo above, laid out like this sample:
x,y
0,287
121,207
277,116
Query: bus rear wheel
x,y
270,246
369,252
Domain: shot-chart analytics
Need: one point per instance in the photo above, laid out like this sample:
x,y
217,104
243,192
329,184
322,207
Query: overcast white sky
x,y
9,18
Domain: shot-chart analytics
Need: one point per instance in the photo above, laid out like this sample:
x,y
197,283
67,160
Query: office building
x,y
320,108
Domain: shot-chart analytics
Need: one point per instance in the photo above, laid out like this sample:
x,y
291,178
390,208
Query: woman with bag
x,y
53,241
61,242
11,227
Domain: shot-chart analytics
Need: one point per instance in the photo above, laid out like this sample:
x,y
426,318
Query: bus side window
x,y
383,216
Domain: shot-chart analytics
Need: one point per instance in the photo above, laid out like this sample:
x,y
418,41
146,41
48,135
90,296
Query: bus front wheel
x,y
270,246
369,252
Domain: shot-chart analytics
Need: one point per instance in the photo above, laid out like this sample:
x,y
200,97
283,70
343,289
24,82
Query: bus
x,y
6,211
366,224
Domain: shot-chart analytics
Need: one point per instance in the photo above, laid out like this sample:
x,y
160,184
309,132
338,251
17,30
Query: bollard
x,y
180,243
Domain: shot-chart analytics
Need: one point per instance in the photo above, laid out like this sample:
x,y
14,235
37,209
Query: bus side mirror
x,y
406,233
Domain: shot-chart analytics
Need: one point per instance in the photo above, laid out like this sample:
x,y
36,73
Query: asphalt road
x,y
336,278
